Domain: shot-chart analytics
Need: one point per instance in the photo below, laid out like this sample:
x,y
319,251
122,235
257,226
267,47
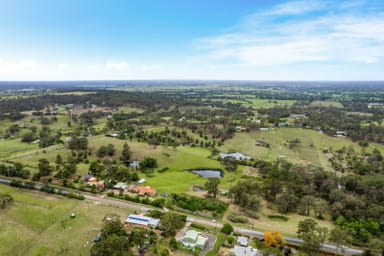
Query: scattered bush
x,y
236,218
198,226
199,204
278,218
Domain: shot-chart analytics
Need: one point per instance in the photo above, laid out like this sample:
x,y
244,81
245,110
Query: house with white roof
x,y
245,251
236,155
242,249
242,241
193,239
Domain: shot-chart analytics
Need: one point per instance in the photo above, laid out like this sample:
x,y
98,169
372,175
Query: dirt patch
x,y
79,110
251,171
50,198
225,251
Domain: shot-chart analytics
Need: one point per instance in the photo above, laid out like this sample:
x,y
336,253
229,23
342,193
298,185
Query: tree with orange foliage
x,y
273,239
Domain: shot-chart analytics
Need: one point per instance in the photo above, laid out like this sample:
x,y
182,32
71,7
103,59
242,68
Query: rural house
x,y
238,156
142,191
242,249
193,239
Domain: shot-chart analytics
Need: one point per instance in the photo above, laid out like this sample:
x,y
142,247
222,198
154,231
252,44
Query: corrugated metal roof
x,y
142,220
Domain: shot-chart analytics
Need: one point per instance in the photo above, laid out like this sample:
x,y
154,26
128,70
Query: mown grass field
x,y
334,104
262,103
39,224
11,147
309,151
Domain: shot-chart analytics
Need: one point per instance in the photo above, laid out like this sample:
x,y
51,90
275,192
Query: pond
x,y
208,173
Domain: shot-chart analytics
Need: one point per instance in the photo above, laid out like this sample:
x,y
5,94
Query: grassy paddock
x,y
39,224
309,151
11,147
335,104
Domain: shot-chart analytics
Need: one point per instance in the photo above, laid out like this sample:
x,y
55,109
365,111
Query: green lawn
x,y
39,224
262,103
10,147
334,104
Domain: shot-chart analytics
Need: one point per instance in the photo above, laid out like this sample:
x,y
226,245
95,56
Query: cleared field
x,y
175,179
334,104
31,157
39,224
288,228
128,109
74,93
10,147
308,151
262,103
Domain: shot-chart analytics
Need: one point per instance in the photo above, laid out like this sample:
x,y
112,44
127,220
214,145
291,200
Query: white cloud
x,y
263,40
63,66
297,7
9,65
26,64
146,68
118,65
266,55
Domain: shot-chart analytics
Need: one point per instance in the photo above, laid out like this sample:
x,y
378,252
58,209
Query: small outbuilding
x,y
242,241
120,185
145,221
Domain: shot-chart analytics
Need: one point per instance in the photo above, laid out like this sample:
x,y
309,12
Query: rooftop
x,y
142,220
242,241
236,155
245,251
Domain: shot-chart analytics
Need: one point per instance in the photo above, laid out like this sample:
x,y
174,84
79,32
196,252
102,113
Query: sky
x,y
191,39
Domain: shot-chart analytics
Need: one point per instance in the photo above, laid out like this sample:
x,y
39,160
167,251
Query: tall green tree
x,y
212,186
227,228
230,163
126,154
338,237
306,204
170,222
312,235
44,168
112,245
97,168
112,225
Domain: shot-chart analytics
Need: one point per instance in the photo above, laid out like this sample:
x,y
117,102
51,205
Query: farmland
x,y
288,150
39,224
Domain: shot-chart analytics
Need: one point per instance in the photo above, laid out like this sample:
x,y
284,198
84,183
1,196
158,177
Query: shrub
x,y
236,219
198,204
278,218
198,226
227,228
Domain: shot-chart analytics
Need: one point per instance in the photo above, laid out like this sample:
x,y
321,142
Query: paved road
x,y
252,233
290,240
